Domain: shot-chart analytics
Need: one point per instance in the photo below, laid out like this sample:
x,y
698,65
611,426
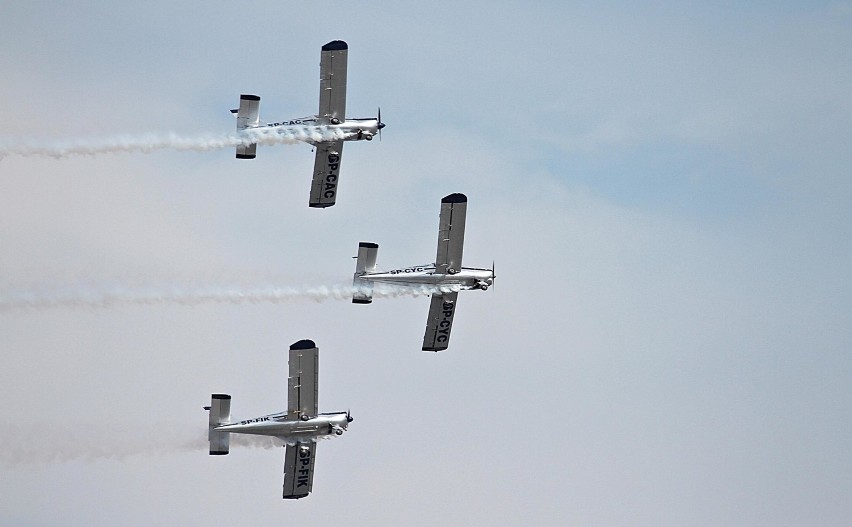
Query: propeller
x,y
493,275
349,418
381,124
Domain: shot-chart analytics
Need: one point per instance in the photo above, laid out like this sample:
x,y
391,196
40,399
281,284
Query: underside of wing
x,y
332,104
303,380
451,234
299,470
326,174
440,321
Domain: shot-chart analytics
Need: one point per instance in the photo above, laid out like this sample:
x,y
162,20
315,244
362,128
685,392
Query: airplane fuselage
x,y
348,130
290,427
466,278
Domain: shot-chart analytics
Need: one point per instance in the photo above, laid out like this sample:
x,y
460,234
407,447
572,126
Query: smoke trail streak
x,y
148,143
93,298
41,444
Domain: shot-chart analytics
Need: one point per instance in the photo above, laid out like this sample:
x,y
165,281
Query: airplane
x,y
332,115
446,275
300,426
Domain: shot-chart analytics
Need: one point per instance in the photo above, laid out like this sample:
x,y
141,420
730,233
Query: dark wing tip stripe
x,y
303,344
455,198
335,45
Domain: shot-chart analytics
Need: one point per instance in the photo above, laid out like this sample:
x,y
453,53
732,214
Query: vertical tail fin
x,y
248,116
220,414
363,289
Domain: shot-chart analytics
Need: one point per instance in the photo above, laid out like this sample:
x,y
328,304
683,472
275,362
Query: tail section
x,y
220,414
363,289
248,116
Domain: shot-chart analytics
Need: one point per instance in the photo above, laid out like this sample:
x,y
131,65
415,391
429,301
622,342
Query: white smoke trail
x,y
148,143
88,297
41,444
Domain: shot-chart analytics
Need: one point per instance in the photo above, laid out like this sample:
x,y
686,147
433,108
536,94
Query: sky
x,y
664,188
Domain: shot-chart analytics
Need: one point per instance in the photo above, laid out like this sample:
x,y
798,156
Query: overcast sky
x,y
665,188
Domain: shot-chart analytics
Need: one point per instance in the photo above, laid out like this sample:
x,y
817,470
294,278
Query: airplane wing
x,y
332,103
299,470
326,172
440,321
302,383
451,234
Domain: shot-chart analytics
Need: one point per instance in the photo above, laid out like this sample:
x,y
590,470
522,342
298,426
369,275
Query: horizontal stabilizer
x,y
248,116
366,263
220,414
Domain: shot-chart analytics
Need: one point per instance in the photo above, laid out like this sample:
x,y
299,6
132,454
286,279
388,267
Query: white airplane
x,y
332,114
299,427
446,275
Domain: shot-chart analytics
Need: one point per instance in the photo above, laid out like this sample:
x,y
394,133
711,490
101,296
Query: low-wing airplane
x,y
299,427
446,275
332,115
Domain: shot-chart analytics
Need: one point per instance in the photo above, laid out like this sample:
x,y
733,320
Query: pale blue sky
x,y
665,189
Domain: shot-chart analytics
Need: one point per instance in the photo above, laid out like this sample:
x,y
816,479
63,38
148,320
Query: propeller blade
x,y
381,124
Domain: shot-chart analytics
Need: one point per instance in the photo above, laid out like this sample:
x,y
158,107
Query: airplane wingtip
x,y
335,45
304,344
455,198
